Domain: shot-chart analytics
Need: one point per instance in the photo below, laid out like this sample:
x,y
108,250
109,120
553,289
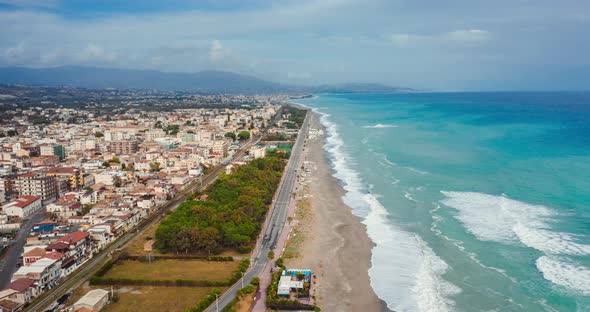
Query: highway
x,y
78,277
276,222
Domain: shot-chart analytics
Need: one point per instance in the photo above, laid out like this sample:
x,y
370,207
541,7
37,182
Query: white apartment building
x,y
23,207
37,185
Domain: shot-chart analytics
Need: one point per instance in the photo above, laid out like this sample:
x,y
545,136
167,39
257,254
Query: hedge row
x,y
105,268
96,280
205,302
241,269
178,257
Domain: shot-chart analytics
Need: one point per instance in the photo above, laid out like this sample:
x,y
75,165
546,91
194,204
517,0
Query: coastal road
x,y
79,276
16,248
276,221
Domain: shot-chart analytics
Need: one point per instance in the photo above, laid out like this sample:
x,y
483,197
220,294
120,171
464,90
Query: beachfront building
x,y
294,280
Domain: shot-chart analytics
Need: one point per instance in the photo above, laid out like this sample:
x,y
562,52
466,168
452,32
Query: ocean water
x,y
475,201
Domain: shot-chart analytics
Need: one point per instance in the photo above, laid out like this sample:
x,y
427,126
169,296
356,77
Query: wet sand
x,y
335,244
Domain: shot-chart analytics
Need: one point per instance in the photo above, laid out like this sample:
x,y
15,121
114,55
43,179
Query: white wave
x,y
418,171
409,197
459,244
380,126
569,275
501,219
550,242
388,161
405,272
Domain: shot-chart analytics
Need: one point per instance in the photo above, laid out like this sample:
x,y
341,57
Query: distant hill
x,y
360,88
205,81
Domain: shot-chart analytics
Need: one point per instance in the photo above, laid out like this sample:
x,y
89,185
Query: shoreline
x,y
335,244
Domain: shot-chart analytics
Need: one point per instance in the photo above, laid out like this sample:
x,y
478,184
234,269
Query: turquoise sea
x,y
475,201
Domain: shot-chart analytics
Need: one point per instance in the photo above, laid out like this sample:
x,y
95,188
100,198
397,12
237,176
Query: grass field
x,y
149,298
155,299
174,269
135,246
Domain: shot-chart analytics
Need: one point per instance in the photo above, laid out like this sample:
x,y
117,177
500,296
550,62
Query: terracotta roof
x,y
27,175
53,255
74,237
9,304
57,246
24,201
35,252
21,284
62,170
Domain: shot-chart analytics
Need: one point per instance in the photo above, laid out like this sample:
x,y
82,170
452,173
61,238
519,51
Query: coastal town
x,y
75,178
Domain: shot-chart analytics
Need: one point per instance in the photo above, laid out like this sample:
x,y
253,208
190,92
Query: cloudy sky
x,y
431,44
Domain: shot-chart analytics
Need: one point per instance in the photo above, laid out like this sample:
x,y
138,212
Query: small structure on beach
x,y
294,280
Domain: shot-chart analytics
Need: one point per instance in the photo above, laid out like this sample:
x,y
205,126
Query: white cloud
x,y
14,53
93,53
468,35
217,52
32,3
400,39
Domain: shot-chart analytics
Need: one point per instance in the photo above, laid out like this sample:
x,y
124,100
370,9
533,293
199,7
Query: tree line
x,y
231,217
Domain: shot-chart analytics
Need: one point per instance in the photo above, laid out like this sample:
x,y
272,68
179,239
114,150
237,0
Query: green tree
x,y
243,135
230,218
98,134
155,166
230,135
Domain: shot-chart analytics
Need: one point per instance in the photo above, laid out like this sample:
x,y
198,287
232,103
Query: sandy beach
x,y
333,242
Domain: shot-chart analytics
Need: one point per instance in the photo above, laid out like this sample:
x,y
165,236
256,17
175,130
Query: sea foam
x,y
380,126
405,272
504,220
569,275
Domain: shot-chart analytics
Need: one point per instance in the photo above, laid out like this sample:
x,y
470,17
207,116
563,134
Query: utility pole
x,y
217,302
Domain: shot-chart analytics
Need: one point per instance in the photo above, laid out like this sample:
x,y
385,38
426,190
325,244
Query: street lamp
x,y
217,302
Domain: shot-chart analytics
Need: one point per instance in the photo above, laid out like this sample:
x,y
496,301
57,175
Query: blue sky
x,y
429,44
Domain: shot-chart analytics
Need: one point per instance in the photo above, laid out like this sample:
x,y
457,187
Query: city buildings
x,y
97,175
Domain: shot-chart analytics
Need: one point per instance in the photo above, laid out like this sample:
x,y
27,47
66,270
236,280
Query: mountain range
x,y
204,81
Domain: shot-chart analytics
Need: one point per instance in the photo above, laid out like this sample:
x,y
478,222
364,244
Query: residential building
x,y
38,185
23,207
73,175
123,147
53,149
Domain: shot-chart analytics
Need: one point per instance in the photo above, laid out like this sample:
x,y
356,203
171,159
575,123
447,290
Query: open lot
x,y
155,299
174,269
150,298
135,246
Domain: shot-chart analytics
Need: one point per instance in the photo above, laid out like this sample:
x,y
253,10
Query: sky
x,y
425,44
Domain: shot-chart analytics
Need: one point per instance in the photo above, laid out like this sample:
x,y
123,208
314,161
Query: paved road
x,y
76,279
276,221
16,249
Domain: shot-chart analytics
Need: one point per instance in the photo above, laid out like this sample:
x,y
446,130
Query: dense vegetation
x,y
232,215
296,116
